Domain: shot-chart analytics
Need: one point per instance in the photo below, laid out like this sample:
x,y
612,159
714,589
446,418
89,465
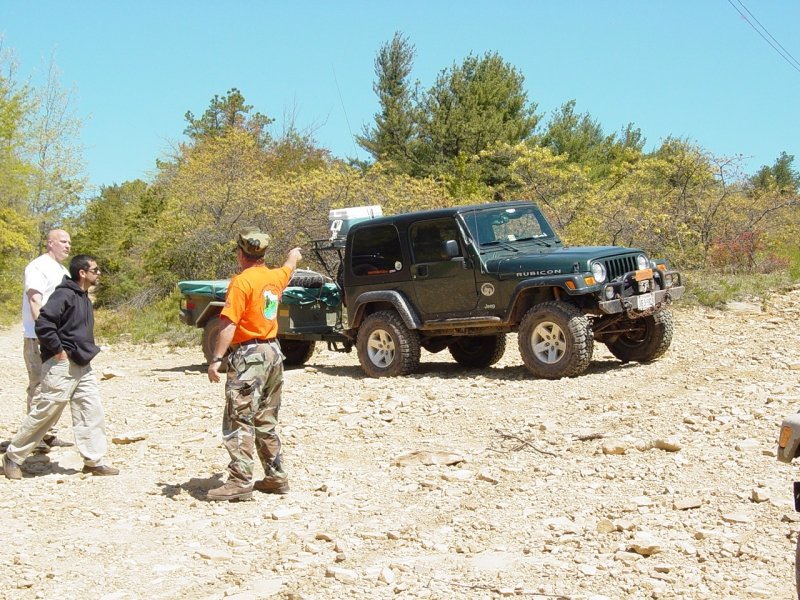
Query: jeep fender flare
x,y
358,312
517,307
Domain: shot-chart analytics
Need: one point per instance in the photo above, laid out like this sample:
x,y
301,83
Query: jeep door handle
x,y
421,271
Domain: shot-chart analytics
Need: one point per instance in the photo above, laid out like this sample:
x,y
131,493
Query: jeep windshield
x,y
508,226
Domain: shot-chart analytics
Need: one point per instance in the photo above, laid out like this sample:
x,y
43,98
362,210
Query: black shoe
x,y
41,448
55,442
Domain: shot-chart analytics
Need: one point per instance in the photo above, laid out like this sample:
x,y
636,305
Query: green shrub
x,y
156,321
712,288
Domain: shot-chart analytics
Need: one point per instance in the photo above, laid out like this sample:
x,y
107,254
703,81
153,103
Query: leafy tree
x,y
471,107
14,171
17,230
110,228
225,113
781,176
391,139
582,140
57,179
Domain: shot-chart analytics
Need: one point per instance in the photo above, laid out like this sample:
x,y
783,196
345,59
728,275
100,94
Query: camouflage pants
x,y
252,401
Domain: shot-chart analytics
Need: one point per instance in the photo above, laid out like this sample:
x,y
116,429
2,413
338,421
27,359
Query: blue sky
x,y
686,68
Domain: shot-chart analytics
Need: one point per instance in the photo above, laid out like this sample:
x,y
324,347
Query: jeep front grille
x,y
620,265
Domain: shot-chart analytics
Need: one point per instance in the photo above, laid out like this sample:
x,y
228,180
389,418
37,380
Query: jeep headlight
x,y
599,272
642,262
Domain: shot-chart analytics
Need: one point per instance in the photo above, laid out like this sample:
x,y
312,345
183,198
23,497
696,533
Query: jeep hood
x,y
551,261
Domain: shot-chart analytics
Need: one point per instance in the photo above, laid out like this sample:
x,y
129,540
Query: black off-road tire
x,y
297,352
386,347
209,342
307,279
649,338
478,351
555,340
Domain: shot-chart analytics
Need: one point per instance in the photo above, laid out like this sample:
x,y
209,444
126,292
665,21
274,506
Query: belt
x,y
253,341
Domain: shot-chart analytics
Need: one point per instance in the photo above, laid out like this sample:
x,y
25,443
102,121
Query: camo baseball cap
x,y
253,242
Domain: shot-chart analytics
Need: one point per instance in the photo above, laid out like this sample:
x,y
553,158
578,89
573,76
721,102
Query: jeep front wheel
x,y
555,340
645,340
386,347
478,351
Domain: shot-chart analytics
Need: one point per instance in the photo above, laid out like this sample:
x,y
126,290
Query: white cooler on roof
x,y
342,219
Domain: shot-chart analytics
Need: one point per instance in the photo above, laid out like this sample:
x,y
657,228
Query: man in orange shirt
x,y
255,370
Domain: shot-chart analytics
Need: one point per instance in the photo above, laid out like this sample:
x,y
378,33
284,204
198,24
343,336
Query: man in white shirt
x,y
42,275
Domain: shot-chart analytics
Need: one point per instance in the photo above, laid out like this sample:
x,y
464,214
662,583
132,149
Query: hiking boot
x,y
55,442
231,491
11,469
41,448
272,485
100,470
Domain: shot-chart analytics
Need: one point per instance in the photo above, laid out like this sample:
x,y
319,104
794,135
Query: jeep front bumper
x,y
641,305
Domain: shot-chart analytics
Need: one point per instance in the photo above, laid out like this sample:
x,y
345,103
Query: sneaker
x,y
11,469
231,491
100,470
272,485
55,442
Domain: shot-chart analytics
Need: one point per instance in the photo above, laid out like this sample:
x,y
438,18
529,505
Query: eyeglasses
x,y
96,270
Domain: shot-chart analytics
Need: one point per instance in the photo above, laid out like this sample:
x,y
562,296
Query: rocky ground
x,y
631,481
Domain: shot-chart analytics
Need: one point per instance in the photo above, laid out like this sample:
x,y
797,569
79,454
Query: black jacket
x,y
67,322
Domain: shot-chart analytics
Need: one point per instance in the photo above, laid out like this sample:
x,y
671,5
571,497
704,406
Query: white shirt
x,y
42,274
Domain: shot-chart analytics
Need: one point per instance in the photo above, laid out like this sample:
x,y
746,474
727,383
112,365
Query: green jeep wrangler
x,y
461,278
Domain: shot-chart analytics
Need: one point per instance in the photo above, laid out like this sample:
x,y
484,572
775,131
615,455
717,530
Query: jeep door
x,y
442,284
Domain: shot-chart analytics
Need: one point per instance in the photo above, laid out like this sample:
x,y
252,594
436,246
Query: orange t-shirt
x,y
252,302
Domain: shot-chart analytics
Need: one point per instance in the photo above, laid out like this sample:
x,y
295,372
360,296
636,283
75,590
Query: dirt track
x,y
631,481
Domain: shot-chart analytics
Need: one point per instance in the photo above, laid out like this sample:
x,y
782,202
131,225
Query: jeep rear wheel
x,y
386,347
479,351
647,339
297,352
555,340
209,342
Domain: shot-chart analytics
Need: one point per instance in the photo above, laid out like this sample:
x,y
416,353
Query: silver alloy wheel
x,y
548,342
380,348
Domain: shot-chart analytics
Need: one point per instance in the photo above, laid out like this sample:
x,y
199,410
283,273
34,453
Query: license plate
x,y
646,301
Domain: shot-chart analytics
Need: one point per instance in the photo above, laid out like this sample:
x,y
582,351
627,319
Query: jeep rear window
x,y
376,251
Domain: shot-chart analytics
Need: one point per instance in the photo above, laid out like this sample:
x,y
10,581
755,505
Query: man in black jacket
x,y
65,329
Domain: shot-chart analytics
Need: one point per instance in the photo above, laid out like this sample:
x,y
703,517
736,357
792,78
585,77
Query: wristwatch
x,y
216,359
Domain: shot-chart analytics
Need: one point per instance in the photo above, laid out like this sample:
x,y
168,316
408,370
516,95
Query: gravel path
x,y
631,481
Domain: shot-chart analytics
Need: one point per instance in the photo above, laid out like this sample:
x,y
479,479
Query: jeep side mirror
x,y
450,249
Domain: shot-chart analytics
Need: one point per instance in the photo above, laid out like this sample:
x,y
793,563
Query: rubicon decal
x,y
538,273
